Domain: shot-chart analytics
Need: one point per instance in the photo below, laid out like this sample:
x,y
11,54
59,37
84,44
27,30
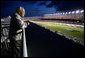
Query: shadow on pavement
x,y
43,43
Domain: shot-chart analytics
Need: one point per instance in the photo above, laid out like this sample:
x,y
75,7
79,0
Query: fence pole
x,y
25,54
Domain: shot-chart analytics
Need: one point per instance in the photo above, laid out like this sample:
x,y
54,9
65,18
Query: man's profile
x,y
15,33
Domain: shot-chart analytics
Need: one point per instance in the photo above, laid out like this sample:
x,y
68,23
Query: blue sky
x,y
39,8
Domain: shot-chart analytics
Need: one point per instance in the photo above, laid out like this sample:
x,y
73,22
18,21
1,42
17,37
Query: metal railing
x,y
25,54
5,40
4,36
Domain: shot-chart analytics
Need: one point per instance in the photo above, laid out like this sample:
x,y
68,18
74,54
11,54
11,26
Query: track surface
x,y
44,43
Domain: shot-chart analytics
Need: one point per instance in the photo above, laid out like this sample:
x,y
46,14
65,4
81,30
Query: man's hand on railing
x,y
27,23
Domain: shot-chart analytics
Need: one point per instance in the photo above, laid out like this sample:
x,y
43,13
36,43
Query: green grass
x,y
79,34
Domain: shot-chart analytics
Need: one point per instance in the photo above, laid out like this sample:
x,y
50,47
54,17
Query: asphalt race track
x,y
42,42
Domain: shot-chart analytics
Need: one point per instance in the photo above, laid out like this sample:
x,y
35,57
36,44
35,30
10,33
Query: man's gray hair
x,y
19,9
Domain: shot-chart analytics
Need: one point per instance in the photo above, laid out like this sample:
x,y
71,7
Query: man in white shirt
x,y
15,33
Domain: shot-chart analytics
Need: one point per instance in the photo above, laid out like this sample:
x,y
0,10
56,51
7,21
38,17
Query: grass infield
x,y
79,34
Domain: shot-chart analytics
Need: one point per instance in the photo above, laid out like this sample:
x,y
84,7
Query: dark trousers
x,y
15,47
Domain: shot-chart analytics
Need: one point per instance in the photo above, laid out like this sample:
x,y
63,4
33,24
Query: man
x,y
15,33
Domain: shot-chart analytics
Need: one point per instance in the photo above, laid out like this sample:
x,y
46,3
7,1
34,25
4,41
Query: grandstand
x,y
78,15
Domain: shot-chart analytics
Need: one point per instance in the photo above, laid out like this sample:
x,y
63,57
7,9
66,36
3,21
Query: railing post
x,y
25,54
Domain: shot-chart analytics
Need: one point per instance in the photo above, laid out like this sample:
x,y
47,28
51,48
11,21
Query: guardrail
x,y
25,54
4,36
